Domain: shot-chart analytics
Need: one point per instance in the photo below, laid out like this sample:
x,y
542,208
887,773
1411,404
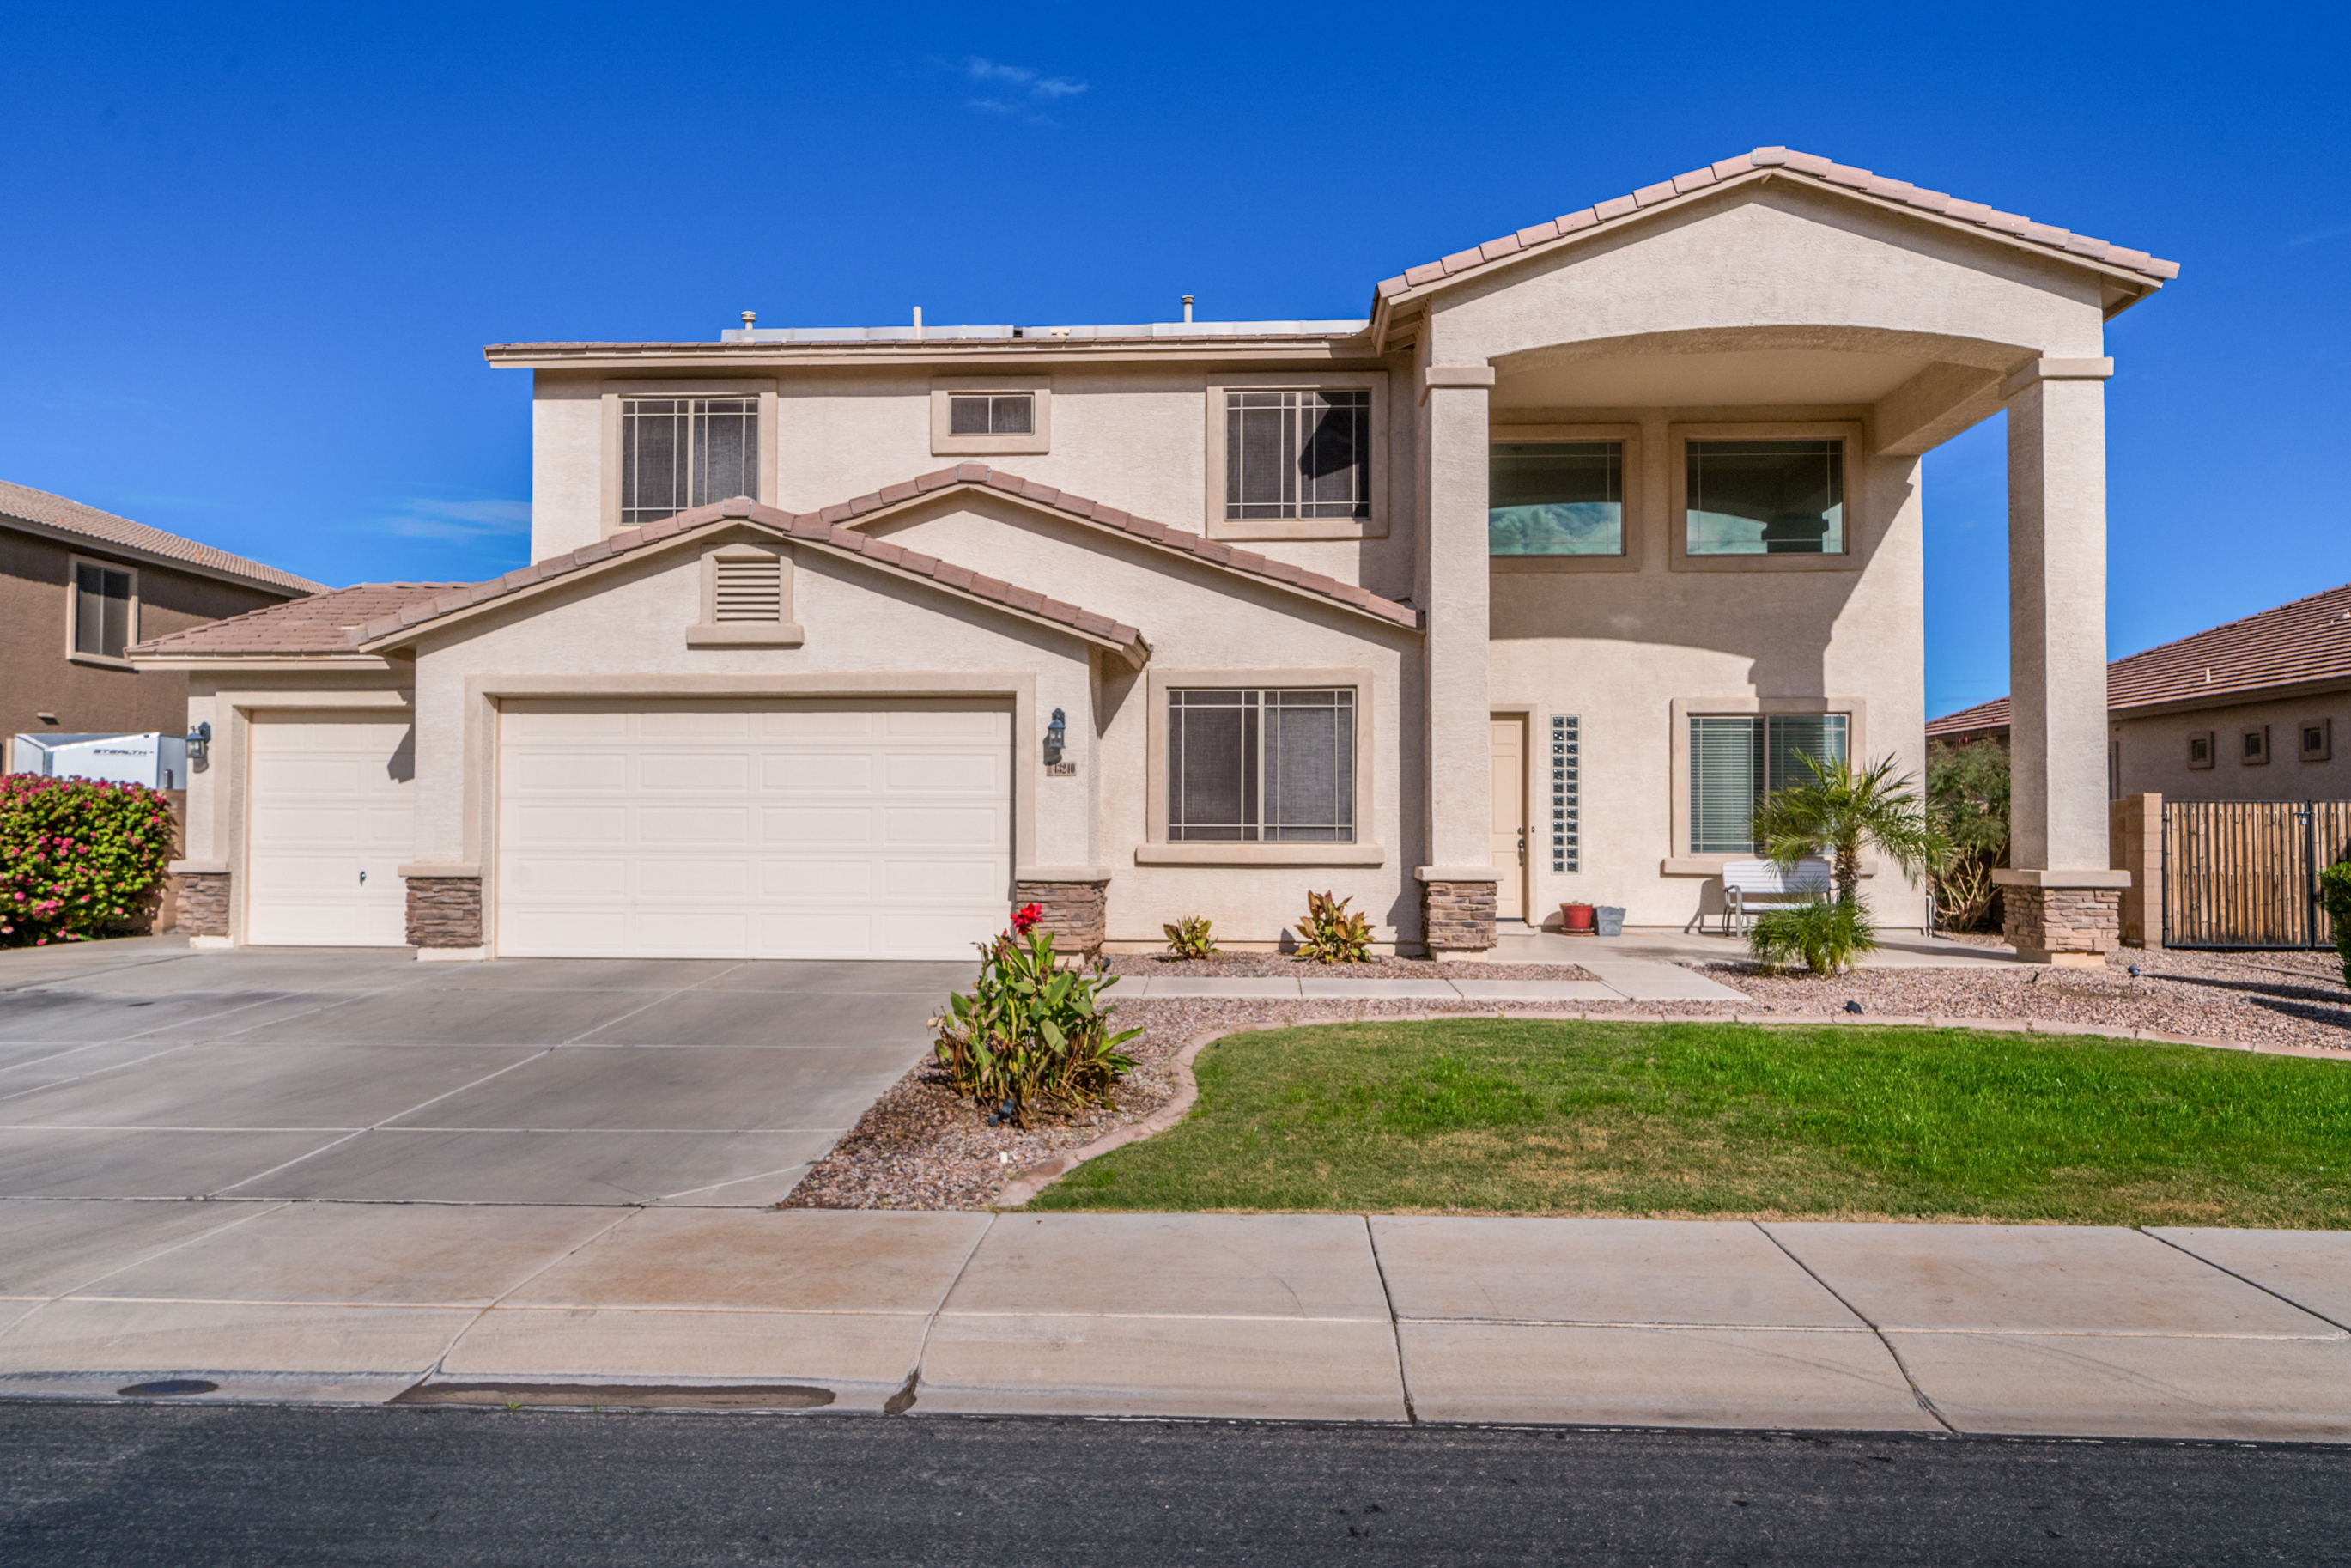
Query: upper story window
x,y
1261,765
1736,759
1765,497
105,609
681,452
992,414
1555,498
1299,454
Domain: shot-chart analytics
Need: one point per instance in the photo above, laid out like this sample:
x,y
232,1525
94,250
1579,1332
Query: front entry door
x,y
1510,817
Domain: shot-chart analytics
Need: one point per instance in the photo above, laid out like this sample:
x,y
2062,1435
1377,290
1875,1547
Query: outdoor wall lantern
x,y
1055,733
200,743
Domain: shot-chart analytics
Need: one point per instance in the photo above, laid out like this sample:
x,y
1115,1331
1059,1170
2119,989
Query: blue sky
x,y
252,254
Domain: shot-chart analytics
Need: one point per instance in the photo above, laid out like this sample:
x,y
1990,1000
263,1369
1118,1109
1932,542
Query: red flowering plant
x,y
1031,1030
79,857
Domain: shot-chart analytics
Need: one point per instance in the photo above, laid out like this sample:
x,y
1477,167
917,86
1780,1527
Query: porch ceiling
x,y
1752,377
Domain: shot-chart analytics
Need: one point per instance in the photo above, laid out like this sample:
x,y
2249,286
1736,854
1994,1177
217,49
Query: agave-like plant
x,y
1329,934
1189,938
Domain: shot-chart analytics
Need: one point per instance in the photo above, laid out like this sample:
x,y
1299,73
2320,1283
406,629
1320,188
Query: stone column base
x,y
1457,913
2074,926
444,911
202,904
1077,911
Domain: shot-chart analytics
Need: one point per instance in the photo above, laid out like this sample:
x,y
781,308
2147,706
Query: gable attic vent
x,y
748,587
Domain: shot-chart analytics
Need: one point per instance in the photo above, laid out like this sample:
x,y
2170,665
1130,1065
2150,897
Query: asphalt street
x,y
134,1484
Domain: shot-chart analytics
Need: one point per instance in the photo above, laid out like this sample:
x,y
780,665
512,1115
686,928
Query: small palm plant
x,y
1836,815
1840,811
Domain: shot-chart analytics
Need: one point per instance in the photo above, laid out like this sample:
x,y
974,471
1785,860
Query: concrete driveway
x,y
139,1069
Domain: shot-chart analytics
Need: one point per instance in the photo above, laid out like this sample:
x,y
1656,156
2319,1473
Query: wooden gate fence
x,y
2244,874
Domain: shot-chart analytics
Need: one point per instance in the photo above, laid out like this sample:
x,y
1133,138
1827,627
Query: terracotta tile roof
x,y
73,518
1784,162
2291,645
339,621
321,623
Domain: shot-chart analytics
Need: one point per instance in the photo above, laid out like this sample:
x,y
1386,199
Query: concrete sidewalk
x,y
1975,1329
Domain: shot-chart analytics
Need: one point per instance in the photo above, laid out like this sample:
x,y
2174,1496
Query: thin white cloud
x,y
2320,235
1019,91
420,519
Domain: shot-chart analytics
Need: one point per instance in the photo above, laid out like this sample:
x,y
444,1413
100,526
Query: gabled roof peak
x,y
1778,161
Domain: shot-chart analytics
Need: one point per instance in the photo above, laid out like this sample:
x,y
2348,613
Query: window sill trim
x,y
1711,866
101,661
1513,565
1298,528
746,634
989,445
1197,854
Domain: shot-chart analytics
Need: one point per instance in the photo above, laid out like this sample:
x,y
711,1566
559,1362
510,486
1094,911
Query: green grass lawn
x,y
1480,1115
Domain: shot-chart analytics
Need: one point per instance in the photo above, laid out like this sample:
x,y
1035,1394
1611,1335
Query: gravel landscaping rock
x,y
1281,966
920,1147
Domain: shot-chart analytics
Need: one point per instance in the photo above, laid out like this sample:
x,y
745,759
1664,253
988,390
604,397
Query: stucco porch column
x,y
2063,900
1456,887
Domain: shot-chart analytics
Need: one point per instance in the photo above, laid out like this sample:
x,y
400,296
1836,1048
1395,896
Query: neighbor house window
x,y
682,451
1765,497
103,609
1735,761
1555,498
1261,765
1298,454
992,414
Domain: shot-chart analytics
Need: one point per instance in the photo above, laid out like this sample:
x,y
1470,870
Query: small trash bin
x,y
1608,920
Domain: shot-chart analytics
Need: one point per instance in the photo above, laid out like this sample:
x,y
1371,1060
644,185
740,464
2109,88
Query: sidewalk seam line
x,y
475,1322
931,1319
1395,1324
2256,1284
1899,1364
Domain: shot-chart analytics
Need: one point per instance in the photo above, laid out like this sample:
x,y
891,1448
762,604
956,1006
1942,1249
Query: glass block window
x,y
992,414
1555,498
1566,792
682,451
1261,765
1736,761
1300,454
1765,497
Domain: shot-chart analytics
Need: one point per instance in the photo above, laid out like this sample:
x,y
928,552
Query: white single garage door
x,y
331,815
740,830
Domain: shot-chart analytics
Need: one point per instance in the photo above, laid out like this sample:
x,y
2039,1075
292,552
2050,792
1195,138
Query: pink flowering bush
x,y
78,858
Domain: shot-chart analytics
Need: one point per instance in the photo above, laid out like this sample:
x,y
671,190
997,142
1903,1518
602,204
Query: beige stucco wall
x,y
1133,437
2151,753
1619,649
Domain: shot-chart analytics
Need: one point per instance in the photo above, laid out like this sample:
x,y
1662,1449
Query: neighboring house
x,y
79,586
2246,711
1519,591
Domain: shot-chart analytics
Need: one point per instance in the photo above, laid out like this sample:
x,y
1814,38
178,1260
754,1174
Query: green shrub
x,y
1030,1031
1968,801
78,858
1329,935
1828,934
2335,897
1189,938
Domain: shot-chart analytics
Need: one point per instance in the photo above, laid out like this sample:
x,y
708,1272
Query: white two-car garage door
x,y
773,829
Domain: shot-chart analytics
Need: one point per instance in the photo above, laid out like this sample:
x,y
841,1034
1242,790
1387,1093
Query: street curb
x,y
1034,1179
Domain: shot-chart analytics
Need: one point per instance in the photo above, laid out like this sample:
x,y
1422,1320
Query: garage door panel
x,y
767,830
559,826
697,879
694,773
817,773
833,827
575,774
307,875
915,826
685,825
569,878
808,879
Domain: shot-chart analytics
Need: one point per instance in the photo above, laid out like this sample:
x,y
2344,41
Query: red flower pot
x,y
1575,918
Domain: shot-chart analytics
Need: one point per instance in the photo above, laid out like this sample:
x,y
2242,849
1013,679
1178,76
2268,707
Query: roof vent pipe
x,y
1187,310
918,323
749,318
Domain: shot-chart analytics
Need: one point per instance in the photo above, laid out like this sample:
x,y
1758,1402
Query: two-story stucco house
x,y
1517,592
